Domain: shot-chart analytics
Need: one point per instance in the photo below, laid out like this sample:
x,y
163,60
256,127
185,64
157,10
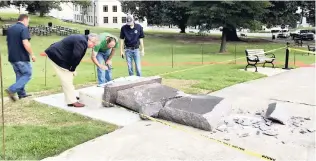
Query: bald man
x,y
102,55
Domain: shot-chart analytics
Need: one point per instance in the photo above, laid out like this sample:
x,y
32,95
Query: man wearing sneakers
x,y
20,53
131,38
103,53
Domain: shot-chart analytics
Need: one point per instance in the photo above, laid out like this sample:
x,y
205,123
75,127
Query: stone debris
x,y
277,113
307,118
282,142
271,132
258,133
243,135
222,128
302,131
312,129
226,139
269,123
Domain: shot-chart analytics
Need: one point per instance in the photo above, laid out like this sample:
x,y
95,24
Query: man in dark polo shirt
x,y
131,38
20,51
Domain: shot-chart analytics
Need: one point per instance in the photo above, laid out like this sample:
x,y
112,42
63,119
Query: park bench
x,y
311,48
258,56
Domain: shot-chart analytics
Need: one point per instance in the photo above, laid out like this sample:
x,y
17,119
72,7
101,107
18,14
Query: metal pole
x,y
235,55
294,59
94,70
202,53
45,69
95,76
172,55
2,108
94,13
287,53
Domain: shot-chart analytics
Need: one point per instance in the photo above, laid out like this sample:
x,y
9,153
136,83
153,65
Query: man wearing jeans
x,y
20,51
103,53
131,37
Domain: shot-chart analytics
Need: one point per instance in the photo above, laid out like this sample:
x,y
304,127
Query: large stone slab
x,y
202,111
277,112
150,109
110,90
138,96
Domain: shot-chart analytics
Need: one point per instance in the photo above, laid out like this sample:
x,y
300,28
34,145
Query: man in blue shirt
x,y
20,51
131,37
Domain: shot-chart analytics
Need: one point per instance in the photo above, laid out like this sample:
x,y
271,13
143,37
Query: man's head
x,y
93,40
110,41
130,20
24,19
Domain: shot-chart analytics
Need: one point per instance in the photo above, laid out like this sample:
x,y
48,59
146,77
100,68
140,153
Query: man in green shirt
x,y
104,53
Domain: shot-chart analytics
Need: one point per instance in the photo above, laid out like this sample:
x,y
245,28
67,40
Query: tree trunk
x,y
41,13
223,43
232,34
182,28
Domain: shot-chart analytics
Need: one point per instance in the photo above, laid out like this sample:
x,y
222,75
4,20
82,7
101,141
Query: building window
x,y
124,9
105,20
114,19
123,19
114,8
105,8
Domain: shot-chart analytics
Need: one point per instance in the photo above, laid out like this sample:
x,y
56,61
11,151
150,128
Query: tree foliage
x,y
41,7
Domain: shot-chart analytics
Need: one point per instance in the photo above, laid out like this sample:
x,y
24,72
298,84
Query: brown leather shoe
x,y
11,95
76,104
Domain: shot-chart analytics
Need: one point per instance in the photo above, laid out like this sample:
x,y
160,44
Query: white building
x,y
103,13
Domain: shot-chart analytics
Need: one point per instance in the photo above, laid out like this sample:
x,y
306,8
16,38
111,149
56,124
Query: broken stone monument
x,y
148,96
277,113
111,89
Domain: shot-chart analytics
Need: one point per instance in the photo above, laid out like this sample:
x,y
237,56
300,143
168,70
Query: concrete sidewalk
x,y
147,140
297,86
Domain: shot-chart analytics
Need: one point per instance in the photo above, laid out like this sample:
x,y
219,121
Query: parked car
x,y
283,34
303,34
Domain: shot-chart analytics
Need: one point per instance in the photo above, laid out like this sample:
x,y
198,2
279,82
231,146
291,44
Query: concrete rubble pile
x,y
265,122
148,96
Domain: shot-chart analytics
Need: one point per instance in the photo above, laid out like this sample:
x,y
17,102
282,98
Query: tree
x,y
41,7
229,15
160,12
4,3
281,12
84,4
308,11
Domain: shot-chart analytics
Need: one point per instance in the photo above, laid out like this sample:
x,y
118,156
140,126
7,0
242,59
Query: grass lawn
x,y
34,131
49,131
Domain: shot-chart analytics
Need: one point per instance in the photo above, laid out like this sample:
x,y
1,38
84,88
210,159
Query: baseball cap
x,y
129,19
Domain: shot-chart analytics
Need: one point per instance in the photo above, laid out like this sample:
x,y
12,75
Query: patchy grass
x,y
34,131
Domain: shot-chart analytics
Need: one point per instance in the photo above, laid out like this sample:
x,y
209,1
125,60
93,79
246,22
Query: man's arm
x,y
25,34
141,37
142,44
27,46
94,58
122,37
112,53
122,45
79,49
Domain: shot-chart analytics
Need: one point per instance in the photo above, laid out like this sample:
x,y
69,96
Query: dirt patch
x,y
184,85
